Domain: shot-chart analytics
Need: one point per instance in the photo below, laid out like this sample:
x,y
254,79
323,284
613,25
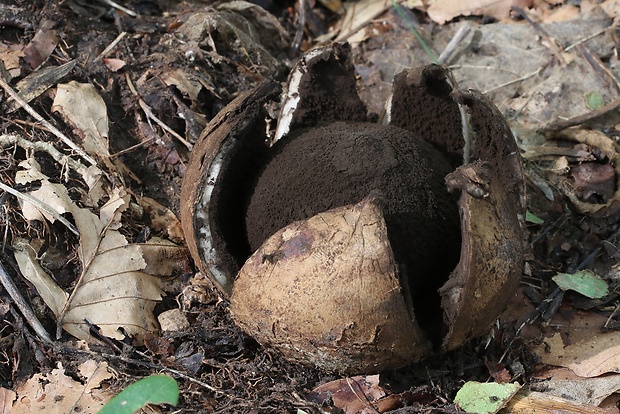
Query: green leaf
x,y
594,100
533,218
485,398
156,389
585,282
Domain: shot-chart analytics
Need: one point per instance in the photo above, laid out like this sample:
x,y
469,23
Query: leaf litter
x,y
117,287
558,67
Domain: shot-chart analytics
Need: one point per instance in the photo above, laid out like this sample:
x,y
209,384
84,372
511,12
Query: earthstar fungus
x,y
352,246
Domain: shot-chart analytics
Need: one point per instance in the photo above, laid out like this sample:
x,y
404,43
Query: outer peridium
x,y
237,126
492,201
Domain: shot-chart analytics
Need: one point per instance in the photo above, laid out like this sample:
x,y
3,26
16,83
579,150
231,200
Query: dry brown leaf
x,y
118,286
163,219
10,55
358,14
42,44
173,320
534,402
84,109
59,393
588,391
442,11
114,65
184,82
27,260
611,7
6,400
607,145
47,192
353,395
38,82
587,358
561,14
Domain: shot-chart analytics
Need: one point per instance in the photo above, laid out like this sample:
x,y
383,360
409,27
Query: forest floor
x,y
113,100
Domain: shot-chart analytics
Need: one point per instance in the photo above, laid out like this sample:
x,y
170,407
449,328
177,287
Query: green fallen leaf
x,y
533,218
485,398
585,282
156,389
594,100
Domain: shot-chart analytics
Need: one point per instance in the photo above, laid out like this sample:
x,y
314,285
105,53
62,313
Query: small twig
x,y
580,119
552,43
364,400
466,132
48,148
121,8
600,70
592,36
23,306
481,67
611,316
299,34
41,206
521,79
48,125
110,46
150,115
147,365
132,148
447,53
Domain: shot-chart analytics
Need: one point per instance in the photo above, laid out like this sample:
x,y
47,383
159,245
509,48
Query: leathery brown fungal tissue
x,y
351,245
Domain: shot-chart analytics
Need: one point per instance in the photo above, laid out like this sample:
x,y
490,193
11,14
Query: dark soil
x,y
337,164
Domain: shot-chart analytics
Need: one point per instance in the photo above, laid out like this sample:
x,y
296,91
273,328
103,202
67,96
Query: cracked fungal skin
x,y
315,170
351,246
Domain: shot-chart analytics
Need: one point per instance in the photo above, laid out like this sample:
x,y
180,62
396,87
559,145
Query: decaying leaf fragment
x,y
58,392
118,285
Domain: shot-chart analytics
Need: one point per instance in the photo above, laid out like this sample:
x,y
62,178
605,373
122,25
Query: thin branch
x,y
460,34
110,46
580,119
521,79
48,125
23,306
150,115
41,206
130,13
63,159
